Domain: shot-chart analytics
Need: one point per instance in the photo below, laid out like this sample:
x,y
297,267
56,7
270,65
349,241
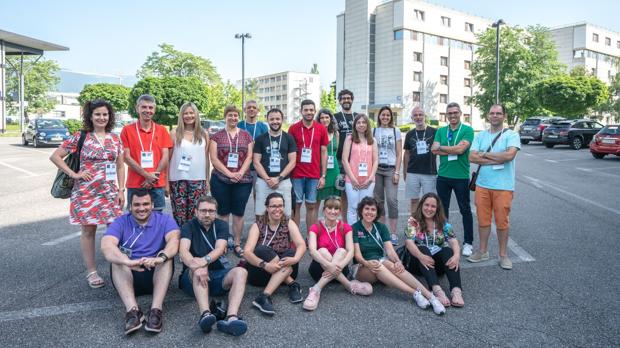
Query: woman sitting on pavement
x,y
434,253
377,259
273,250
330,243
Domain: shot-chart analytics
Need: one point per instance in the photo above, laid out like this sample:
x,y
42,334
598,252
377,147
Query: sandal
x,y
457,298
238,250
441,296
94,280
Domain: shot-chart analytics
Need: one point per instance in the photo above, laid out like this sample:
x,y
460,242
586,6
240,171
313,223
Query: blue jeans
x,y
445,186
157,195
216,282
305,188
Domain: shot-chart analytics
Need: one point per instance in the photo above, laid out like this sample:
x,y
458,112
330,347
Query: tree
x,y
220,95
314,69
117,95
170,62
40,78
328,99
526,57
611,106
251,89
170,93
571,95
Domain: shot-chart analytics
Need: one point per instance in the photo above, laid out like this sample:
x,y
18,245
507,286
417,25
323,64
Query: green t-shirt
x,y
458,168
369,245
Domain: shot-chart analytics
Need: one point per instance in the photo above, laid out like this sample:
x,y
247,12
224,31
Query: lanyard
x,y
331,144
335,240
230,142
246,124
423,136
303,139
434,235
279,143
359,152
267,230
457,135
102,144
132,234
205,237
374,227
152,136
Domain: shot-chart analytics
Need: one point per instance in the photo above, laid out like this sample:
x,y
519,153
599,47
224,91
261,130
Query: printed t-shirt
x,y
345,127
426,163
282,145
386,142
160,139
429,239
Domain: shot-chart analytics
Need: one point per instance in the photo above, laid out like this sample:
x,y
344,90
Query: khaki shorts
x,y
263,190
493,202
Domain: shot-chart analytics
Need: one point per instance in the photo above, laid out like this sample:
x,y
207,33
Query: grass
x,y
12,130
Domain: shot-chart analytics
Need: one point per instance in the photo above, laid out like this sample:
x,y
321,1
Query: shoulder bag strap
x,y
490,147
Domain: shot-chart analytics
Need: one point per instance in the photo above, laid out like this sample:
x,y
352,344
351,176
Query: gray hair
x,y
146,98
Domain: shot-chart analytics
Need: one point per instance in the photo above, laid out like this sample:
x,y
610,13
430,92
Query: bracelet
x,y
396,173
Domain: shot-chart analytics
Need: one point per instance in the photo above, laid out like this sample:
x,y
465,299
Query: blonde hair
x,y
198,132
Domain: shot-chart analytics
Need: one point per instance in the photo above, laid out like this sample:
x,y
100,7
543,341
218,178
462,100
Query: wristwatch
x,y
163,256
208,259
261,264
280,178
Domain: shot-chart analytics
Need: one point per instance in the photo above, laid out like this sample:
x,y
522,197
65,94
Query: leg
x,y
311,214
502,202
353,198
87,243
414,205
404,278
462,192
339,255
454,277
344,205
201,293
235,280
239,199
444,191
311,193
379,191
237,228
484,211
122,278
391,191
429,274
161,281
298,190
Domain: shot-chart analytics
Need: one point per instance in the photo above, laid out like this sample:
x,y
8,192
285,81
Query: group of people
x,y
337,159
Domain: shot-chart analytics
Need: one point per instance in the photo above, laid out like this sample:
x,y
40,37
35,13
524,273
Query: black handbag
x,y
63,183
404,255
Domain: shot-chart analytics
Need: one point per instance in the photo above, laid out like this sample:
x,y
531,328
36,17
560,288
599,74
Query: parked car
x,y
533,127
212,126
575,133
606,142
45,131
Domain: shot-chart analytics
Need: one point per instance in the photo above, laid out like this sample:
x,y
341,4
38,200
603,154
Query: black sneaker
x,y
294,292
264,304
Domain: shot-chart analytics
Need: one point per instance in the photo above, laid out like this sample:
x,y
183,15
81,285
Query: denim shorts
x,y
305,188
216,282
157,195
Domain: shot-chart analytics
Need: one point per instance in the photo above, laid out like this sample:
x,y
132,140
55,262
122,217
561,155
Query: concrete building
x,y
286,90
403,53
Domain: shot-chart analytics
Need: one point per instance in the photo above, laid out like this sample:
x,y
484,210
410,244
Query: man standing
x,y
254,127
420,164
344,119
207,272
311,163
495,151
147,146
452,145
140,246
275,153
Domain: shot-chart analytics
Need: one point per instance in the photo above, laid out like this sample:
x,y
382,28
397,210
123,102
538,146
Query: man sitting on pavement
x,y
207,272
140,246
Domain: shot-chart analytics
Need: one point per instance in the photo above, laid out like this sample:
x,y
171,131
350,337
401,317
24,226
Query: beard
x,y
346,106
274,128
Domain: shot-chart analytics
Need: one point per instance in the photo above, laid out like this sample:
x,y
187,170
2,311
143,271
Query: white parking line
x,y
551,161
598,172
18,169
69,237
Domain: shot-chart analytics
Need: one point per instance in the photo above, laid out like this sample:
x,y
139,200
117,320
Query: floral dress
x,y
92,202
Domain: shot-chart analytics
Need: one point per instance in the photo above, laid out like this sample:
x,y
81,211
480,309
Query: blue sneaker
x,y
206,321
394,239
235,327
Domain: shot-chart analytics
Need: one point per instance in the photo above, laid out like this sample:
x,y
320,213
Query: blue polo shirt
x,y
143,241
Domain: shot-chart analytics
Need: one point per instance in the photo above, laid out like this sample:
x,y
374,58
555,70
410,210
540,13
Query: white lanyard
x,y
152,136
434,236
267,230
279,143
134,241
455,137
359,152
423,136
255,125
331,143
230,142
303,139
335,240
373,237
205,237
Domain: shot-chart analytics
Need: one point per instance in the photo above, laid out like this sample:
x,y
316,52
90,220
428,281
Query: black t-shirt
x,y
194,231
421,164
265,142
345,127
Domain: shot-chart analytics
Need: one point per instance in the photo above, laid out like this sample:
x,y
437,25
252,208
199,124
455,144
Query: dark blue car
x,y
45,131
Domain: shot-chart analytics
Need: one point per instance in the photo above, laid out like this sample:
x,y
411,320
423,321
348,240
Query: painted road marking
x,y
68,237
29,173
551,161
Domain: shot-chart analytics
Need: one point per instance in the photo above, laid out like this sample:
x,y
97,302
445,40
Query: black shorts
x,y
142,281
258,276
316,271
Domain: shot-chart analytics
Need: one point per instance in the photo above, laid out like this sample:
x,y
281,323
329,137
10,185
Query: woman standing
x,y
330,243
360,156
231,183
435,249
188,171
377,259
96,199
326,118
390,145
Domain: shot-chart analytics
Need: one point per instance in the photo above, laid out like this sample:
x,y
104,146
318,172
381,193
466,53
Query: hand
x,y
203,276
207,187
398,267
333,270
355,183
321,183
395,178
135,265
453,262
235,177
152,262
147,185
413,222
196,263
120,199
435,147
272,183
83,175
373,266
427,261
150,178
167,190
272,268
287,261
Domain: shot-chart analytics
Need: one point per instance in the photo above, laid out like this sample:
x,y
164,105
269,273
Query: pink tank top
x,y
360,153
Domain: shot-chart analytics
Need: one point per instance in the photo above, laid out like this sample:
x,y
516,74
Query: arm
x,y
312,250
112,254
207,162
57,158
120,176
292,159
453,262
458,149
413,249
399,154
436,151
348,239
217,164
346,150
502,157
258,166
248,159
131,163
300,244
250,245
323,166
375,162
165,159
480,158
405,163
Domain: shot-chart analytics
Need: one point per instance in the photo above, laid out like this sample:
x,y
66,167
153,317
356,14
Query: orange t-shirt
x,y
160,139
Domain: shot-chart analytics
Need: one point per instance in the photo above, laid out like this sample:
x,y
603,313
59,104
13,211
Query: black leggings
x,y
316,271
431,275
258,276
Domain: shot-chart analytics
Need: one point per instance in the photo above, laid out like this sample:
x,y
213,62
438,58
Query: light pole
x,y
497,25
243,37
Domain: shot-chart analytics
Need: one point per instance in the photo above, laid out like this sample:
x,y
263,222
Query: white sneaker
x,y
420,300
467,249
438,308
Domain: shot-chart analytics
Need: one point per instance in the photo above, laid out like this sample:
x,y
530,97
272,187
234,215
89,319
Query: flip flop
x,y
441,296
94,280
459,293
238,250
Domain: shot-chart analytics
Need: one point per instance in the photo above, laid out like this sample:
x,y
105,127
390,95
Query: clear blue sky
x,y
115,37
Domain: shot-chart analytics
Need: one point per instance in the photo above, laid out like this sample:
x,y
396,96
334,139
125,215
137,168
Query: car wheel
x,y
24,141
549,145
35,143
525,141
576,143
598,155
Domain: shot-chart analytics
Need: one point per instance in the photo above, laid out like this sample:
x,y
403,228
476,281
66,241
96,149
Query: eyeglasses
x,y
420,114
496,113
207,211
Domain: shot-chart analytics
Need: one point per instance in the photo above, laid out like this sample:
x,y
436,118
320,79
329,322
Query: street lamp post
x,y
243,37
497,25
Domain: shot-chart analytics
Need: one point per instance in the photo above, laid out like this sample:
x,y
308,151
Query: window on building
x,y
595,37
579,54
445,21
466,100
278,78
467,82
413,35
311,79
443,79
442,116
608,41
419,15
273,79
441,41
594,71
398,34
417,56
617,44
469,27
417,76
443,98
467,65
283,87
415,96
467,118
443,61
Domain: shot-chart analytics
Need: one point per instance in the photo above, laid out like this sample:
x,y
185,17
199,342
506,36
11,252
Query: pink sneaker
x,y
312,301
361,288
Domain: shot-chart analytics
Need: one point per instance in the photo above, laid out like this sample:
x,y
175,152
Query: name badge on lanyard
x,y
185,163
146,159
233,160
274,163
306,155
110,171
363,169
453,157
330,162
498,166
421,147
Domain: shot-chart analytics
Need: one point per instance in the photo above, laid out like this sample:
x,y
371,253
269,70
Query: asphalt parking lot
x,y
562,291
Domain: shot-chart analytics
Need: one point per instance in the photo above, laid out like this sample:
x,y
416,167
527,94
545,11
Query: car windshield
x,y
50,124
531,122
610,130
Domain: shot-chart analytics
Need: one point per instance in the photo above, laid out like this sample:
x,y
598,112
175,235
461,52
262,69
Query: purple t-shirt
x,y
142,241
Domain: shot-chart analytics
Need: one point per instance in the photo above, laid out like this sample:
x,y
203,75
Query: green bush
x,y
405,127
73,125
